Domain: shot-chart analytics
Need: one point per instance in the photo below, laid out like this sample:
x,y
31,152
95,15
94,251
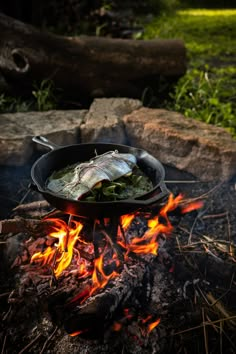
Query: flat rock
x,y
206,151
103,122
17,130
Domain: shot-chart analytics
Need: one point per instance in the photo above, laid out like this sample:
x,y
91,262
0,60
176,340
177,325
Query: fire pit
x,y
125,283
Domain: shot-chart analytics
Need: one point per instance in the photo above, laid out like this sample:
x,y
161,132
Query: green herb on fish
x,y
123,188
111,176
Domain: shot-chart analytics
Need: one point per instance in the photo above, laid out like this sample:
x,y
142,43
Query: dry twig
x,y
48,340
30,344
206,323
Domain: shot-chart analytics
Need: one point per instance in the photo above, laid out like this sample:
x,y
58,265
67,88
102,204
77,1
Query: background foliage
x,y
206,92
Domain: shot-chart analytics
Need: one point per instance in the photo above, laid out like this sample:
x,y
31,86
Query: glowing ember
x,y
77,333
116,326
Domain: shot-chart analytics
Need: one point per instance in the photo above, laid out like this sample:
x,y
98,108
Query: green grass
x,y
206,92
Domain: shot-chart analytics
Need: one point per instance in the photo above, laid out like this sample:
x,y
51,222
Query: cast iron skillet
x,y
60,157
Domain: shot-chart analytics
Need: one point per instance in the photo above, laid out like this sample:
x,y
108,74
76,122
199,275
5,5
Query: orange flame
x,y
61,255
99,278
74,334
152,325
126,220
148,243
192,206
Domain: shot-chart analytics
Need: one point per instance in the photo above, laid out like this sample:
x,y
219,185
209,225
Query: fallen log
x,y
85,67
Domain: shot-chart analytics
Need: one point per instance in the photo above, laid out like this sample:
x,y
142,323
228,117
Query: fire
x,y
153,325
148,243
126,220
60,255
147,324
99,278
192,206
78,332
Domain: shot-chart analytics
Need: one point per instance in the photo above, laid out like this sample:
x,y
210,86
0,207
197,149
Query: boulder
x,y
103,122
206,151
17,130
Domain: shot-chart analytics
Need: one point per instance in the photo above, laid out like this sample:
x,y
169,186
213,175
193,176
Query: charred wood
x,y
85,66
17,225
93,317
32,209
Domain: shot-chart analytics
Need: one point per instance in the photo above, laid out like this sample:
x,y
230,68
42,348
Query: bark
x,y
18,225
85,66
32,209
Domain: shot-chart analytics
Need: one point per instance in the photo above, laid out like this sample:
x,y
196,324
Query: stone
x,y
17,130
103,122
206,151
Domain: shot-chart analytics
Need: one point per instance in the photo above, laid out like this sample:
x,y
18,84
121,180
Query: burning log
x,y
93,317
85,67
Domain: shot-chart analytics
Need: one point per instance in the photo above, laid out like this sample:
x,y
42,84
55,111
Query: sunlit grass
x,y
206,12
210,40
204,31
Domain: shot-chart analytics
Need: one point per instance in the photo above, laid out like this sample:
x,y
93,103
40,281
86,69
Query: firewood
x,y
86,67
92,317
18,225
32,209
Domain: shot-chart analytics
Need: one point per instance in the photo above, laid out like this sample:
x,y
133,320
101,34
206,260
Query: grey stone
x,y
103,122
17,130
206,151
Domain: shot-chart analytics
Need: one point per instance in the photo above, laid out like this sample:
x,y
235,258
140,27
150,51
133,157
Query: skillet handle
x,y
164,191
45,142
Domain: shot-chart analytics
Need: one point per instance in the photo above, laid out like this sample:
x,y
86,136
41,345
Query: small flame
x,y
192,206
99,278
74,334
147,324
145,320
153,325
126,220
